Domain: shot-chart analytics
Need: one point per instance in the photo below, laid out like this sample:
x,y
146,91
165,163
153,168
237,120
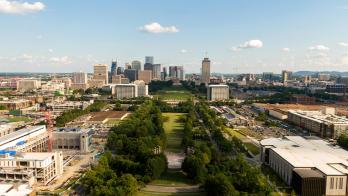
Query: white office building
x,y
218,92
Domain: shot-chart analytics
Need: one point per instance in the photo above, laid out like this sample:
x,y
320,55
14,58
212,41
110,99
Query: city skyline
x,y
238,36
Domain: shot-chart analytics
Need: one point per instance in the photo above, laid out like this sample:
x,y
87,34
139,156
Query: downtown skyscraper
x,y
205,72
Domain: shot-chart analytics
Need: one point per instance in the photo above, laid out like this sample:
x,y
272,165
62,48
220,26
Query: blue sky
x,y
240,36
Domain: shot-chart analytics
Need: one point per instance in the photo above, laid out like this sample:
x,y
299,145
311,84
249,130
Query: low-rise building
x,y
72,138
323,123
143,89
16,104
30,167
218,92
28,85
310,165
126,91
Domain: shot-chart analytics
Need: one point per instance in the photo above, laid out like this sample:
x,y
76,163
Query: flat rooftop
x,y
20,133
310,152
321,117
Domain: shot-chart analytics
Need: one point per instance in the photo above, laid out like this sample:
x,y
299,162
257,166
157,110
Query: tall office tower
x,y
148,66
119,70
145,75
156,71
149,59
131,74
113,68
267,76
165,73
127,66
101,73
136,65
205,75
286,75
176,72
79,78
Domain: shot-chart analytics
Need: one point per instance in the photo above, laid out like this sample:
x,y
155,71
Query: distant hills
x,y
333,73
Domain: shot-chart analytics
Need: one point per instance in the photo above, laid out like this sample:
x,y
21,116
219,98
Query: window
x,y
341,184
332,181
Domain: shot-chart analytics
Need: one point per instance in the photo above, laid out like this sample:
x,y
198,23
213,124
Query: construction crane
x,y
49,126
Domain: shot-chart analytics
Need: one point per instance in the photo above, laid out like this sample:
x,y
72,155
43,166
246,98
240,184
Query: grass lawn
x,y
173,178
173,128
235,133
252,148
174,93
19,118
146,193
113,122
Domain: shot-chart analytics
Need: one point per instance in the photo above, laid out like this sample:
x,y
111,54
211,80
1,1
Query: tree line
x,y
70,115
221,168
135,155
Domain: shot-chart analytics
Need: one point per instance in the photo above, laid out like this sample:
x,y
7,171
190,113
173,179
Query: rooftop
x,y
310,152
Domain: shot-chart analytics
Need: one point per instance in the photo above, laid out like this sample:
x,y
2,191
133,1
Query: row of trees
x,y
135,157
213,165
70,115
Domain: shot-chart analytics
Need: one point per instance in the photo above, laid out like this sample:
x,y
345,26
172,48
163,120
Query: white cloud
x,y
286,49
61,60
50,50
251,44
344,44
158,28
183,51
20,7
318,48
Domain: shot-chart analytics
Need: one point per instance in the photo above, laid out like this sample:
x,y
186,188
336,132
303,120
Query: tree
x,y
195,168
219,185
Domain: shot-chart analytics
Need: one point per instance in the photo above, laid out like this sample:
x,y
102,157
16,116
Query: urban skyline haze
x,y
238,36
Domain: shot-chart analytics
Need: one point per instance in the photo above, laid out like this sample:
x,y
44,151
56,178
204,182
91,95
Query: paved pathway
x,y
172,189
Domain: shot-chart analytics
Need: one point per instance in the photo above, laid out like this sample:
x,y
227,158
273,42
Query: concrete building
x,y
124,81
136,65
322,123
310,165
101,73
79,81
79,78
116,79
53,86
72,138
59,108
16,104
218,92
339,89
131,74
30,167
205,72
323,77
126,91
176,72
164,73
267,76
156,71
286,75
28,85
145,75
143,89
96,83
